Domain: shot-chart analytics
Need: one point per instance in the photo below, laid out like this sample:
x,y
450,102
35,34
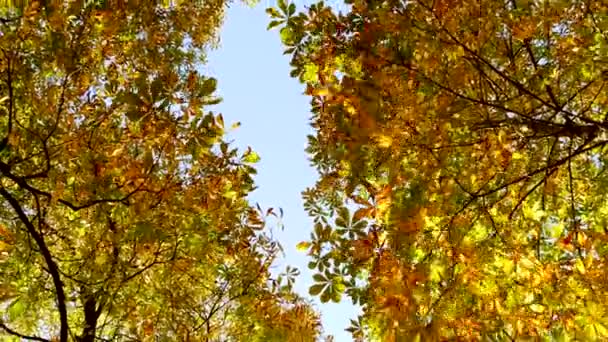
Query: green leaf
x,y
230,194
134,114
344,214
360,225
212,101
207,87
251,157
156,89
339,287
273,13
16,309
325,297
283,6
310,72
340,222
319,278
336,296
144,231
287,35
556,230
273,24
316,289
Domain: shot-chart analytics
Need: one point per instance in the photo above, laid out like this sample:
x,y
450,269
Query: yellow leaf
x,y
537,308
303,246
117,152
350,109
382,206
507,266
382,237
579,266
526,263
581,239
231,194
321,92
384,141
601,329
4,246
589,260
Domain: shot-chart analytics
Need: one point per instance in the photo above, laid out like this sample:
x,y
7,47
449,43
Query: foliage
x,y
124,214
462,153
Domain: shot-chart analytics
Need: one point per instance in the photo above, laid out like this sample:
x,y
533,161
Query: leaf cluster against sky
x,y
461,149
124,214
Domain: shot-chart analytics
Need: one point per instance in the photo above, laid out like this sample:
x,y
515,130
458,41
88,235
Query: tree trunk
x,y
91,314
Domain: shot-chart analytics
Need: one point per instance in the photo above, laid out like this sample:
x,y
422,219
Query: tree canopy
x,y
123,211
461,147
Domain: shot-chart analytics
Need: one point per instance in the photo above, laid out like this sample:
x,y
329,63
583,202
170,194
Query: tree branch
x,y
14,333
519,86
558,163
53,269
5,21
6,170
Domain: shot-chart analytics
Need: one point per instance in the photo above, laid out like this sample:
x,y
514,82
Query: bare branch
x,y
14,333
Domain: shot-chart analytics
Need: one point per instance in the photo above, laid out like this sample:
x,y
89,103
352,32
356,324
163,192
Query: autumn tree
x,y
462,152
123,212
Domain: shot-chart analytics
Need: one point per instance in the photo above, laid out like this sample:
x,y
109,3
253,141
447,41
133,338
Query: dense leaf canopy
x,y
123,212
461,147
462,152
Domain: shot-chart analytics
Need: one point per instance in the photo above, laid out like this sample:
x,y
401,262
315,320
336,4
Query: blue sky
x,y
254,82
